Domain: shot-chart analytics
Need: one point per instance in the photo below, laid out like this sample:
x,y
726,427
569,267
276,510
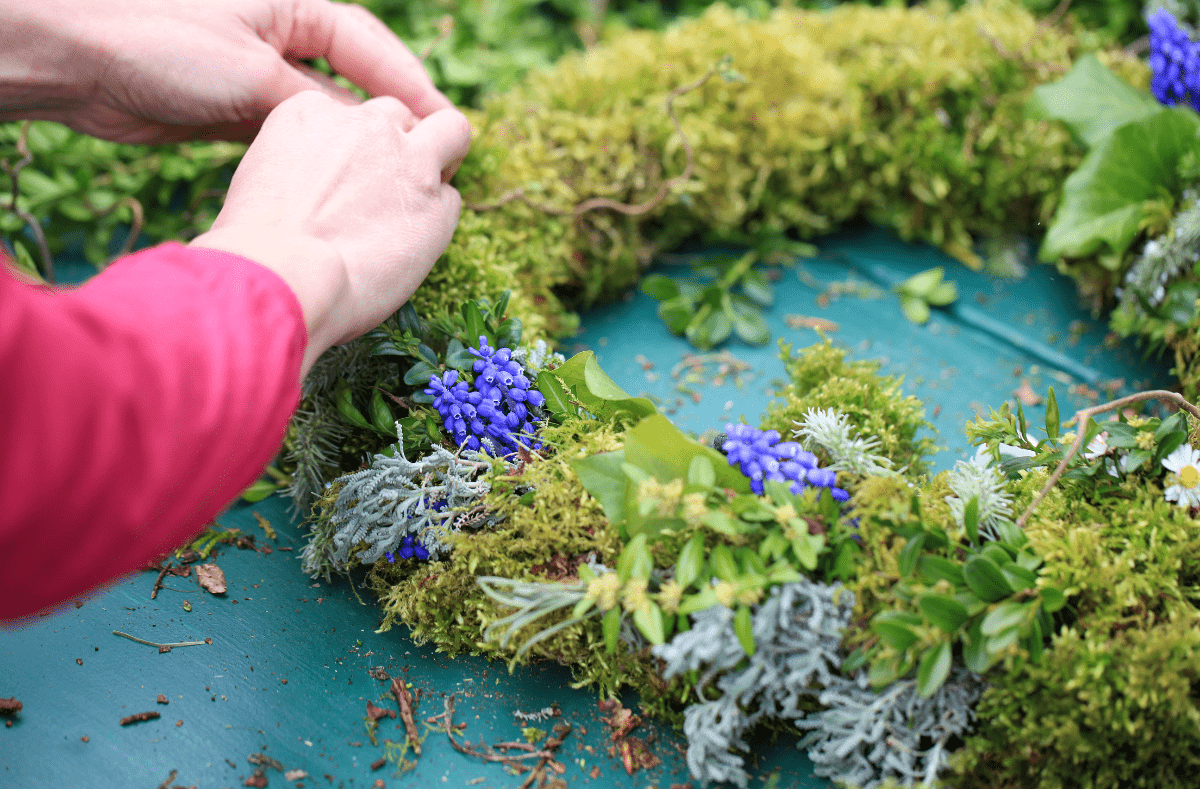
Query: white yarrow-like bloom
x,y
832,431
978,478
1183,484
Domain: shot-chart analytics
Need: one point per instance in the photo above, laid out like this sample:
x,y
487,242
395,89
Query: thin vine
x,y
1080,421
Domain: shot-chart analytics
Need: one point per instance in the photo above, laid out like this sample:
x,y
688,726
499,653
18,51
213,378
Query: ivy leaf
x,y
743,626
558,401
1102,203
603,478
933,670
1092,101
599,393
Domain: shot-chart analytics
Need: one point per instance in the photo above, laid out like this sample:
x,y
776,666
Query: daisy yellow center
x,y
1189,477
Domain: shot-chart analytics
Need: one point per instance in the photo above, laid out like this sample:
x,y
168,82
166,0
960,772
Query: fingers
x,y
446,136
363,49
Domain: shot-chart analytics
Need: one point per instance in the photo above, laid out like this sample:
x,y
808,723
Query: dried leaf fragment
x,y
211,578
141,717
1027,395
256,781
795,321
162,698
293,775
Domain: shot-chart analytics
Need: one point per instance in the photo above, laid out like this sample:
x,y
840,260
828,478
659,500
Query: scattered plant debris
x,y
256,781
211,578
797,321
144,716
406,703
538,716
633,752
376,713
1027,395
162,648
262,760
377,765
10,705
268,529
293,775
501,752
85,739
379,674
162,698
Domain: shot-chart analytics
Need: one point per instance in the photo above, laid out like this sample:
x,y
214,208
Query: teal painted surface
x,y
275,624
966,359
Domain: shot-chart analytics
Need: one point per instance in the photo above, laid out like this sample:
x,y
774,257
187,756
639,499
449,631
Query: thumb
x,y
294,77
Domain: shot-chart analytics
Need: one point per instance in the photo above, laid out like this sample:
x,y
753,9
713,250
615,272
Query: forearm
x,y
137,408
47,67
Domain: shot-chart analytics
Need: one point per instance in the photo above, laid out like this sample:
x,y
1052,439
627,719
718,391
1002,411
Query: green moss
x,y
821,377
1103,709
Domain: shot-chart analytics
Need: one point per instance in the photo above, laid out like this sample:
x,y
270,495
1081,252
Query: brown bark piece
x,y
162,698
211,578
10,705
141,717
376,713
378,764
256,781
405,700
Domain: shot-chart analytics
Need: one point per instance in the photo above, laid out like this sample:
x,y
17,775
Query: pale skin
x,y
346,201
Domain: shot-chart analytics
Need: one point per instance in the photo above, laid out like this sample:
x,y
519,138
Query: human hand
x,y
185,69
347,205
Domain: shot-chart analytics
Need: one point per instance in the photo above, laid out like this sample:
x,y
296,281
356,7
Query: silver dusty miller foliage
x,y
391,499
797,635
865,738
859,737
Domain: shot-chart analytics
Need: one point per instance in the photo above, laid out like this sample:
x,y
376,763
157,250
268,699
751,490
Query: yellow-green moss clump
x,y
542,540
819,376
914,118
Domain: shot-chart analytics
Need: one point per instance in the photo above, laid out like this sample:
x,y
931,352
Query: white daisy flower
x,y
1183,485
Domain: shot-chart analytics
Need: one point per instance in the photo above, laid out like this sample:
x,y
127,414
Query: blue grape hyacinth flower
x,y
497,411
1174,62
761,456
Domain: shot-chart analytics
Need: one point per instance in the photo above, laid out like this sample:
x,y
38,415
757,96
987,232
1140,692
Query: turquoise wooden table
x,y
282,682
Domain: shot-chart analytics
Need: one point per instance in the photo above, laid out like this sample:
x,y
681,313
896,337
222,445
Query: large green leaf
x,y
1092,101
599,393
602,476
1103,200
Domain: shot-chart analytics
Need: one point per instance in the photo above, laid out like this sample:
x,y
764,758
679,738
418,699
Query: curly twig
x,y
1080,421
14,174
135,227
628,209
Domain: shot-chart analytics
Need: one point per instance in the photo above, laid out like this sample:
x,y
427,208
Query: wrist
x,y
47,68
311,268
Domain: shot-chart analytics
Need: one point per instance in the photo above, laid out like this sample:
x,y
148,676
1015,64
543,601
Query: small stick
x,y
1080,421
405,701
156,644
140,717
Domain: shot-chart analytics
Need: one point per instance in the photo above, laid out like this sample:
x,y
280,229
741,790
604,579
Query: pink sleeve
x,y
134,409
